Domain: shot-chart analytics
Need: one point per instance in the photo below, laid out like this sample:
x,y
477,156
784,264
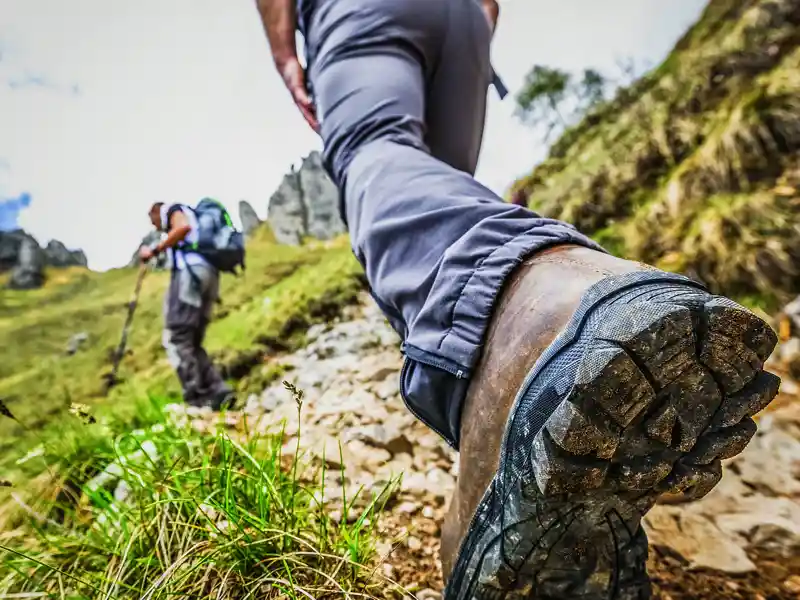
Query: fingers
x,y
294,78
306,107
310,116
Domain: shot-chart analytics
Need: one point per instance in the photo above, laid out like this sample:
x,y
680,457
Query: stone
x,y
14,243
10,244
75,342
387,388
792,312
440,483
769,524
122,491
407,508
248,217
384,436
58,255
366,457
789,387
415,483
697,539
306,204
380,368
428,594
413,543
383,548
28,273
789,355
756,465
792,585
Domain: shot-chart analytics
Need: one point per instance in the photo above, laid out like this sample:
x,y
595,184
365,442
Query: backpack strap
x,y
499,86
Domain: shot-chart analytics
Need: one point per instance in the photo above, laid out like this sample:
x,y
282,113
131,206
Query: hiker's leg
x,y
436,245
652,382
179,339
212,380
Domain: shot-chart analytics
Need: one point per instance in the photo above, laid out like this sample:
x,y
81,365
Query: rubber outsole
x,y
651,385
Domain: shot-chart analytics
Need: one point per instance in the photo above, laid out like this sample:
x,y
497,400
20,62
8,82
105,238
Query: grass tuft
x,y
170,512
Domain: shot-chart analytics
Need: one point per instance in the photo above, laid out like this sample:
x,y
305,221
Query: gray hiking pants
x,y
400,87
187,311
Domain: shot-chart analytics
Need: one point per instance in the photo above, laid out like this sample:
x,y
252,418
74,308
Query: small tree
x,y
538,102
554,99
592,88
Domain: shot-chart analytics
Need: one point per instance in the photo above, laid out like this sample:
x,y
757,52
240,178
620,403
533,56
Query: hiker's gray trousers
x,y
400,87
187,311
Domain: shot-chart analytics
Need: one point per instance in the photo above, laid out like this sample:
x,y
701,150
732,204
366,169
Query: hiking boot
x,y
223,400
604,383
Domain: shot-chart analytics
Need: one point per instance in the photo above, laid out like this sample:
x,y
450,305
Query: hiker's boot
x,y
604,383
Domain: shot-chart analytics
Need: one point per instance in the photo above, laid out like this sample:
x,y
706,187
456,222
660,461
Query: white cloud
x,y
178,99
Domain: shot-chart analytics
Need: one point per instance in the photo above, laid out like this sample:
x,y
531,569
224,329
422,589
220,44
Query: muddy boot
x,y
603,384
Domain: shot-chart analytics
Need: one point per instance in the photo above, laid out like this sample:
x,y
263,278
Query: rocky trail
x,y
742,541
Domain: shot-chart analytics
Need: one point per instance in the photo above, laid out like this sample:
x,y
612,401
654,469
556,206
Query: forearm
x,y
173,237
279,21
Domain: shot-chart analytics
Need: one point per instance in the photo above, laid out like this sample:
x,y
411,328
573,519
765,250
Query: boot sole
x,y
651,385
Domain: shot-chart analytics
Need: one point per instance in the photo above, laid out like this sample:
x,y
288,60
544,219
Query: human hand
x,y
294,78
145,253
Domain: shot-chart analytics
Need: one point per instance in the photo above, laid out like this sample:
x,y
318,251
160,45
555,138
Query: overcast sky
x,y
109,105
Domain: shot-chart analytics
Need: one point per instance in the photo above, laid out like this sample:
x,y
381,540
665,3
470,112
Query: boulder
x,y
306,204
21,254
248,217
28,273
10,246
58,255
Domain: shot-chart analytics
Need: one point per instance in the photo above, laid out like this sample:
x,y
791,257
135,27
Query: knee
x,y
173,354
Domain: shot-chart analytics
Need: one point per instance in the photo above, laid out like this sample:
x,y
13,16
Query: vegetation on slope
x,y
173,513
696,167
267,309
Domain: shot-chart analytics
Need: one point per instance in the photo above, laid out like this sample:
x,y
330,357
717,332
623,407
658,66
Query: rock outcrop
x,y
58,255
28,273
21,254
306,204
248,217
10,246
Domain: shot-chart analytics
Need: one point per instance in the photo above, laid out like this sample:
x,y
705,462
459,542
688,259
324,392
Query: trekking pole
x,y
111,378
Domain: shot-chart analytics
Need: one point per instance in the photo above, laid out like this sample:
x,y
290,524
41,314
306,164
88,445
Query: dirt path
x,y
740,542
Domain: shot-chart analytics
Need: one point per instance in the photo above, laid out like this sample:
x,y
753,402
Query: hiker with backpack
x,y
203,242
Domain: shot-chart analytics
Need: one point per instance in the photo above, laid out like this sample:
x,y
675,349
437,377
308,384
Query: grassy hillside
x,y
267,309
696,167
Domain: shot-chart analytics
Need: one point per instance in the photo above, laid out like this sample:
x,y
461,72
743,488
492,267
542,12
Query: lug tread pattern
x,y
664,388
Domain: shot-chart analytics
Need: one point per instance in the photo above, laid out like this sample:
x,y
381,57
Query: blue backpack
x,y
218,240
